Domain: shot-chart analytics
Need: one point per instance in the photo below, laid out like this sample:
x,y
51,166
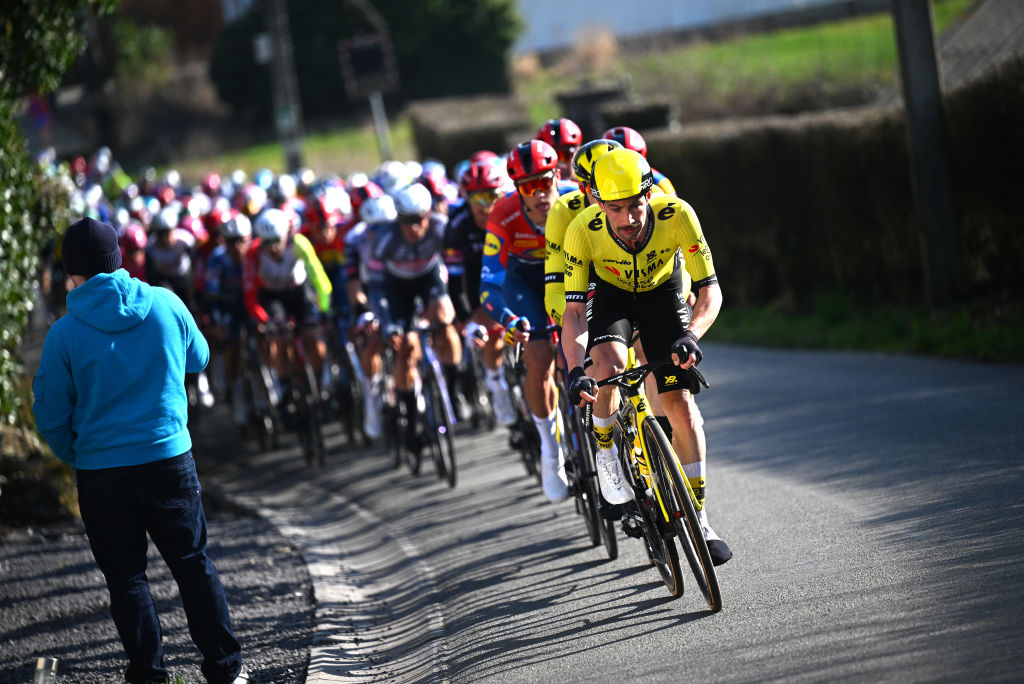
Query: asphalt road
x,y
873,504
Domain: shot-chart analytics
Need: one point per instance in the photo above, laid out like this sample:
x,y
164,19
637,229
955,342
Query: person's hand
x,y
581,388
475,334
517,331
685,352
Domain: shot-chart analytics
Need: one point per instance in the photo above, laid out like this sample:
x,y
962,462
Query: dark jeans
x,y
119,506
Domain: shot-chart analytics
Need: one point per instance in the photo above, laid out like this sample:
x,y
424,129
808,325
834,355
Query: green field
x,y
810,67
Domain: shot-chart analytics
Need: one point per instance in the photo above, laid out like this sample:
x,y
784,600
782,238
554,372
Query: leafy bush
x,y
40,41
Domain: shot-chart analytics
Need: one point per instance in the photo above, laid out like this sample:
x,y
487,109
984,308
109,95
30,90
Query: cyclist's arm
x,y
705,311
554,286
576,257
317,276
454,261
492,278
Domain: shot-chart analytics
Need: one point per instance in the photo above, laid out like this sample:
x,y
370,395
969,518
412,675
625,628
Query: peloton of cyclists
x,y
512,290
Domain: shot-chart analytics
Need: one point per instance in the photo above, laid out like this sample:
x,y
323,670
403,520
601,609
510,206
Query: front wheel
x,y
439,431
675,492
575,443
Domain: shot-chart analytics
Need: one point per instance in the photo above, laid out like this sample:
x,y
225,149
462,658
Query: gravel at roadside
x,y
53,602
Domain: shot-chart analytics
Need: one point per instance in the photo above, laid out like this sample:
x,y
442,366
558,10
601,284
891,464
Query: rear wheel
x,y
682,513
311,429
263,402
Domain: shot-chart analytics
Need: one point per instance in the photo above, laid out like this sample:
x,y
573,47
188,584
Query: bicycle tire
x,y
263,406
682,513
439,429
581,481
310,422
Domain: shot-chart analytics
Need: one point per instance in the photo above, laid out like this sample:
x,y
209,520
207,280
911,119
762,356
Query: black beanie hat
x,y
90,247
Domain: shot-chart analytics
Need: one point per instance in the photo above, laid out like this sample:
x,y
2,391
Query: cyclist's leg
x,y
609,331
651,388
494,377
688,439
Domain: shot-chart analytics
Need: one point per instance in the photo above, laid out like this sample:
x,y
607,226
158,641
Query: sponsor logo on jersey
x,y
492,245
666,212
671,380
692,249
613,270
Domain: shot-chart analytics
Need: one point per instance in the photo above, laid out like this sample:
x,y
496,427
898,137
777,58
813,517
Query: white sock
x,y
548,440
604,425
693,471
494,378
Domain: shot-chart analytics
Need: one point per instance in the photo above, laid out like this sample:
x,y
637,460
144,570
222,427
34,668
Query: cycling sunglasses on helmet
x,y
483,197
531,186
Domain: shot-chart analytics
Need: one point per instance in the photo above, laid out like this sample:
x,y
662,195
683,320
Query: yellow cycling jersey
x,y
561,215
591,250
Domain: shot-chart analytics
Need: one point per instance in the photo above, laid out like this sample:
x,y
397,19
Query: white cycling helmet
x,y
164,220
414,201
272,225
392,176
378,209
236,227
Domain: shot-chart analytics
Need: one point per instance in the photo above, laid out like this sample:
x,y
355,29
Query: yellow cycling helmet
x,y
583,160
621,174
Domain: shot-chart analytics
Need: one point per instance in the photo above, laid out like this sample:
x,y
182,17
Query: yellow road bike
x,y
664,510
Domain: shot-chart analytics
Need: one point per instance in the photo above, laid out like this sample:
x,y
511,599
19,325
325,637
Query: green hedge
x,y
794,206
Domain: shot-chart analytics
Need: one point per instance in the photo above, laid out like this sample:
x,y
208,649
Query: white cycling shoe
x,y
371,417
553,479
504,414
613,482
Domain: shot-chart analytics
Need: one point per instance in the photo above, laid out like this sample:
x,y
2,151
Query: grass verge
x,y
836,322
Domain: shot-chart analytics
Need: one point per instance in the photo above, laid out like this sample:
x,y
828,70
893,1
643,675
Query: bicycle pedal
x,y
631,529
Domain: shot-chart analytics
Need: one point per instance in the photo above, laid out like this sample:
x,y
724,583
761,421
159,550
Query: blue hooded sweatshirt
x,y
110,390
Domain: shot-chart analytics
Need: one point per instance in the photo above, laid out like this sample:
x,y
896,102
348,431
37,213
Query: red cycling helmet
x,y
628,138
211,184
560,133
531,159
360,193
482,175
319,209
481,155
134,235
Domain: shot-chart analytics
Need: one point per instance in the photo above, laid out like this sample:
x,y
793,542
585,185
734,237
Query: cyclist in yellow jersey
x,y
632,265
562,213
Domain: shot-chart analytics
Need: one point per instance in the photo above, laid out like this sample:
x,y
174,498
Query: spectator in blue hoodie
x,y
110,401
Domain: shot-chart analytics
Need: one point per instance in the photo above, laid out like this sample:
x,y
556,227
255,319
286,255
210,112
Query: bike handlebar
x,y
632,377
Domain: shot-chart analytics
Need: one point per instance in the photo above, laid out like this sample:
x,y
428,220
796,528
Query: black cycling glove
x,y
579,383
686,345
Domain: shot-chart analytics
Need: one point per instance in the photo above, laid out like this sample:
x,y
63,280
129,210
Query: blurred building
x,y
546,24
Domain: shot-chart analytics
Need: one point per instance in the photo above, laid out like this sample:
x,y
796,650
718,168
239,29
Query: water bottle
x,y
46,671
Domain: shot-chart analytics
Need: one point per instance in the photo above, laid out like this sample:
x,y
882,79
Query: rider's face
x,y
414,228
627,217
538,193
